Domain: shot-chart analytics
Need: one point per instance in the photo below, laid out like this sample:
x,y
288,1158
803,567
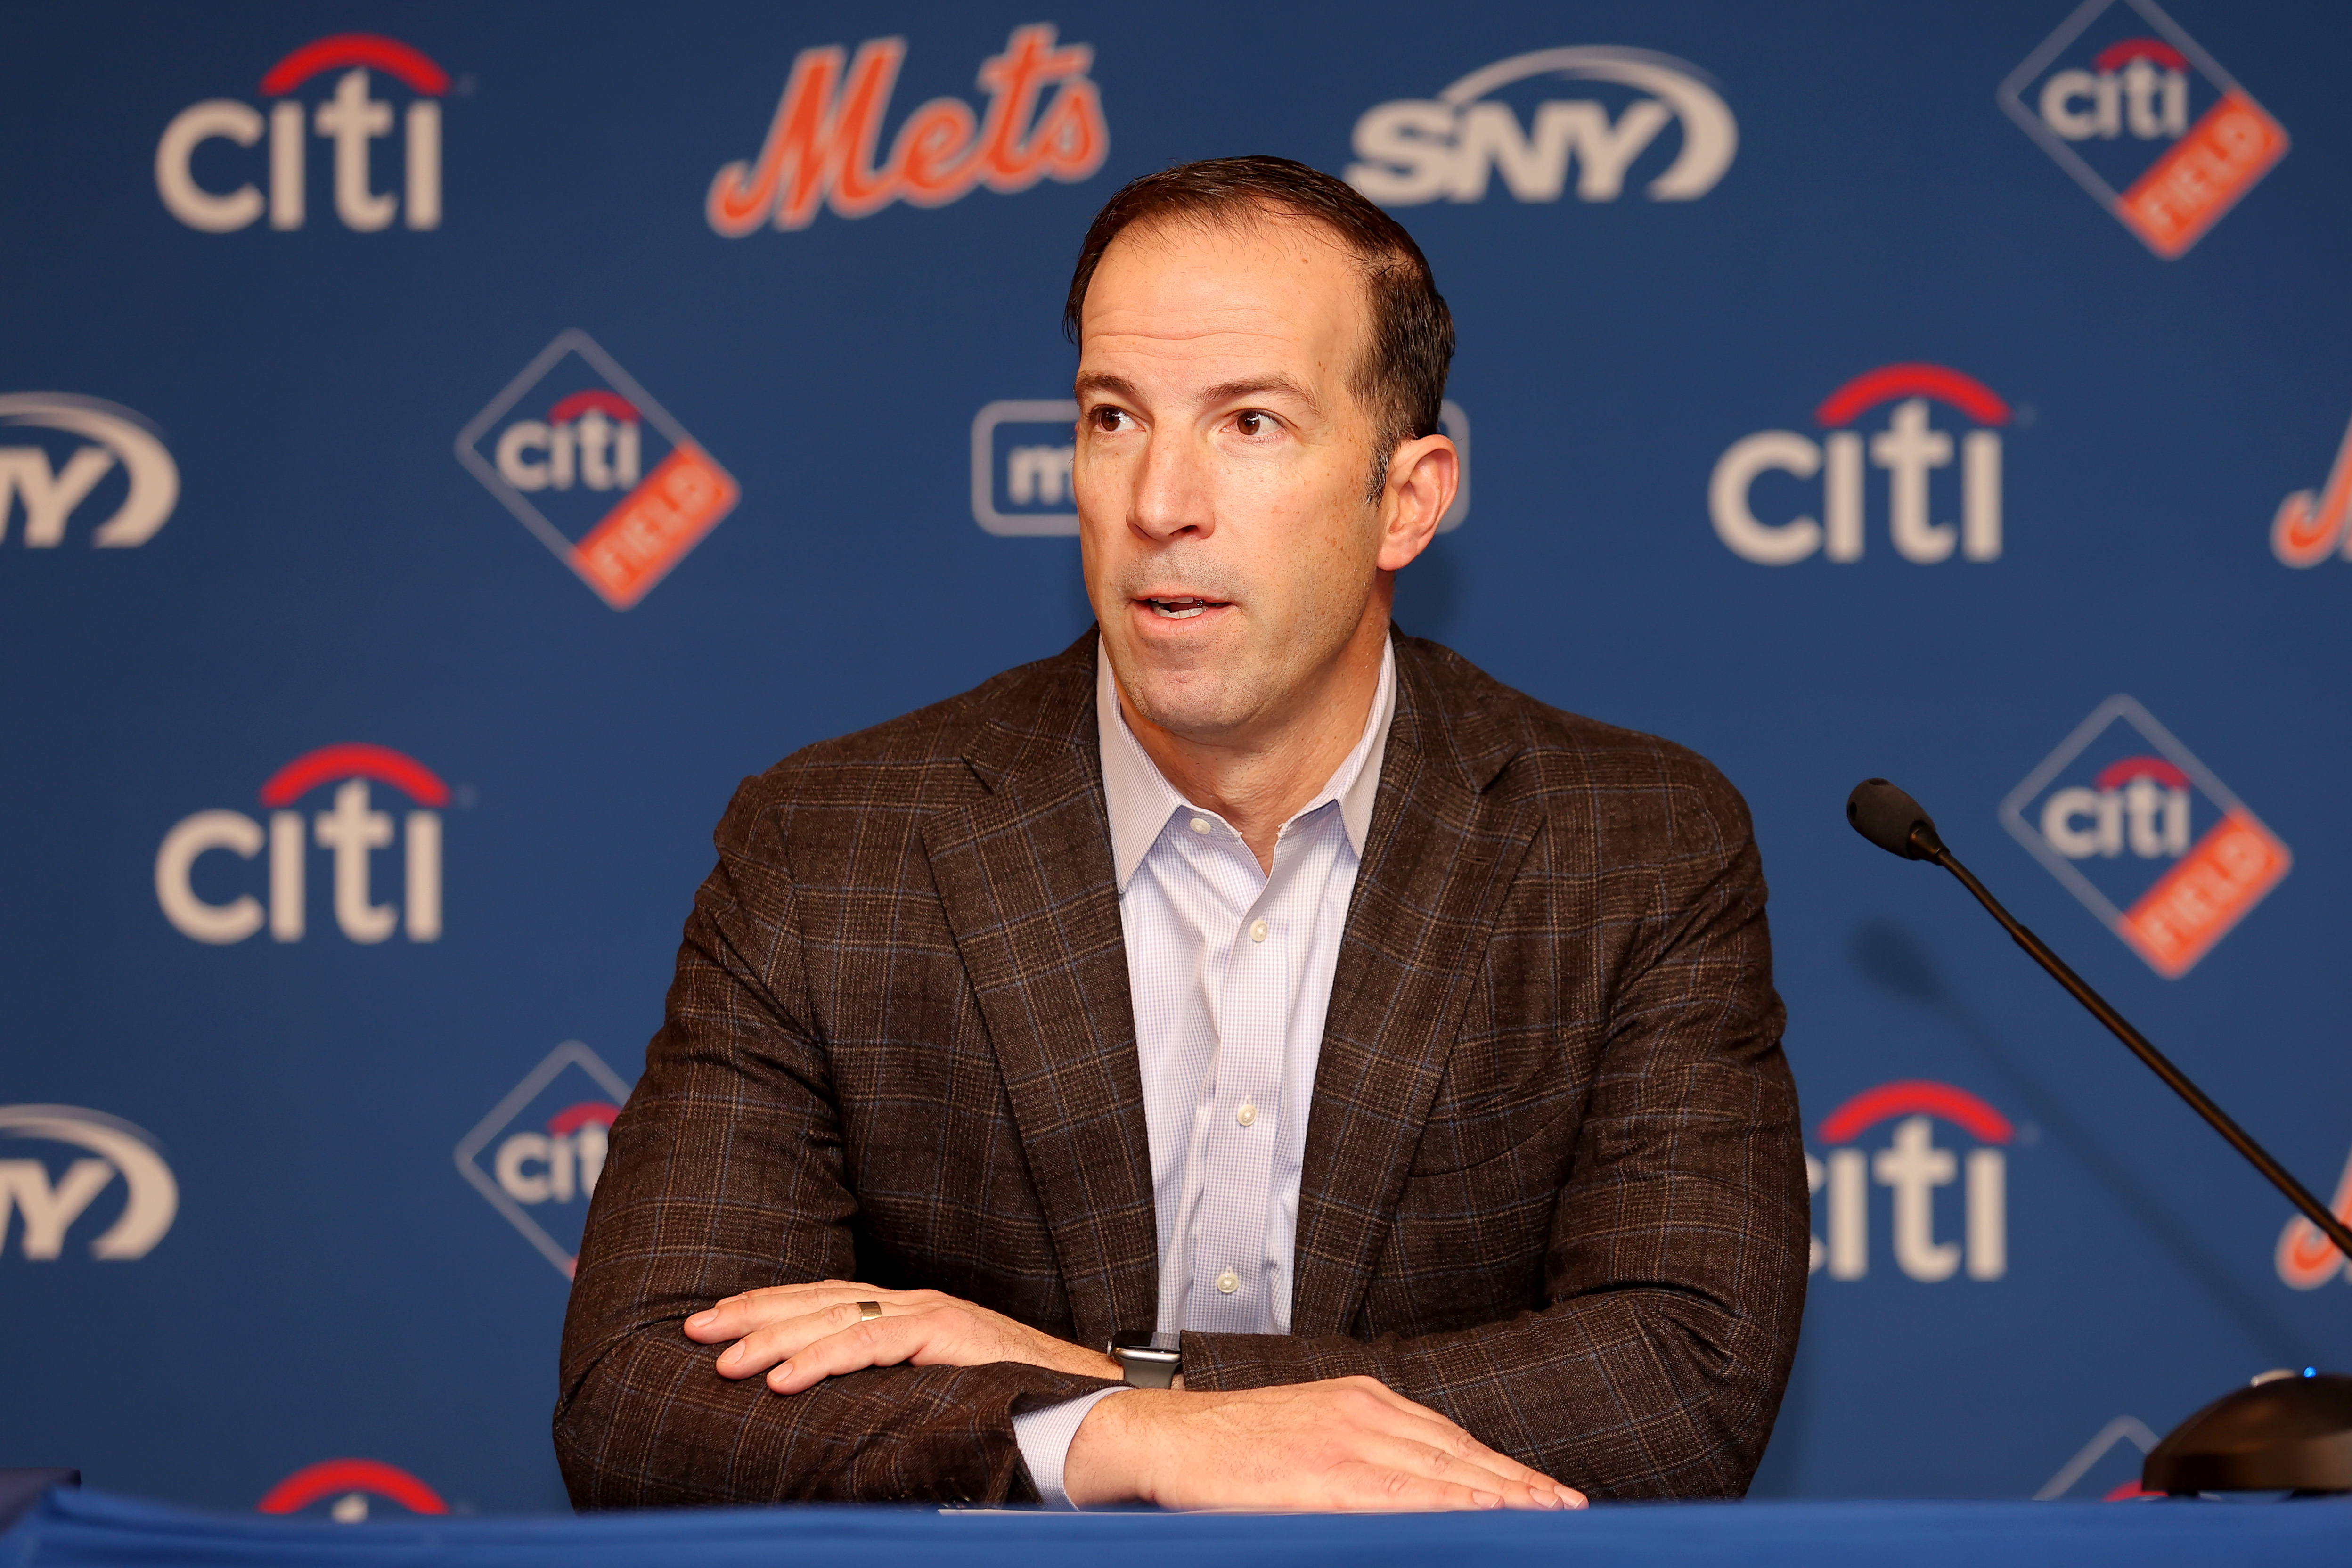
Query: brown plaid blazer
x,y
1553,1188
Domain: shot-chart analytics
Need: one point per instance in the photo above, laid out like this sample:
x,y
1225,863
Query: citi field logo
x,y
2121,97
1023,449
2309,527
348,1491
106,1151
821,145
103,439
1913,1168
574,461
1448,148
2144,834
194,176
1909,448
194,868
2307,1259
547,1140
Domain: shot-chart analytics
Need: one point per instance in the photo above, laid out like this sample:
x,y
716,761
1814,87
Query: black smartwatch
x,y
1149,1360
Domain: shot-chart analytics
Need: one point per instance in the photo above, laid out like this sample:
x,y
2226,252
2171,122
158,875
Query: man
x,y
1246,973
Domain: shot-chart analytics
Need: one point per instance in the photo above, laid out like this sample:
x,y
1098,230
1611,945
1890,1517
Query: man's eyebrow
x,y
1115,386
1257,386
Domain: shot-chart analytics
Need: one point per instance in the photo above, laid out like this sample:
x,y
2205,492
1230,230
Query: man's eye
x,y
1108,419
1254,423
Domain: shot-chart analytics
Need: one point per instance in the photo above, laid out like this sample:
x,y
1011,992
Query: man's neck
x,y
1259,780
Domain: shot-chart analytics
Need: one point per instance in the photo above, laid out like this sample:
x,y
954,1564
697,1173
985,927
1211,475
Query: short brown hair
x,y
1402,376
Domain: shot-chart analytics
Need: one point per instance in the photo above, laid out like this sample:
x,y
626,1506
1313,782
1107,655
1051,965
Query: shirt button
x,y
1257,931
1228,1282
1246,1115
1200,825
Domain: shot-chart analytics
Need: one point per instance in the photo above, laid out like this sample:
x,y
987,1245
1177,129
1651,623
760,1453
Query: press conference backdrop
x,y
446,447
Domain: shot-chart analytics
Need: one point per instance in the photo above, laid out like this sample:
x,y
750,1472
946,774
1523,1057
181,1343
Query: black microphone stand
x,y
2284,1433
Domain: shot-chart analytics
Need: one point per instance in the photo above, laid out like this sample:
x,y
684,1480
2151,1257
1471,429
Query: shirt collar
x,y
1141,800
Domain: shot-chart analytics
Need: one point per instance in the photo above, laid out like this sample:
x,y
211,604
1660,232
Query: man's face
x,y
1222,465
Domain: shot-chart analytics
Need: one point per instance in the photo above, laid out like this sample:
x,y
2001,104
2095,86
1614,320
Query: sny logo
x,y
2308,529
352,118
351,1483
820,147
2145,835
353,829
546,1144
1911,1167
629,513
1909,448
112,437
2152,115
110,1147
1446,148
1022,449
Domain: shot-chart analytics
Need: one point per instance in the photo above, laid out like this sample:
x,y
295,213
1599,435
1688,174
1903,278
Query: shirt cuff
x,y
1046,1436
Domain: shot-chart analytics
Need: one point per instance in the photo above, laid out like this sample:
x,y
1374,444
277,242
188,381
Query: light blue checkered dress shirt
x,y
1230,971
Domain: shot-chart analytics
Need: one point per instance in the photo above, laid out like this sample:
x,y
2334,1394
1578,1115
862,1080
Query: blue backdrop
x,y
444,449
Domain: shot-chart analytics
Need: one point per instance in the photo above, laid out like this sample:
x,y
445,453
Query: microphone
x,y
2275,1436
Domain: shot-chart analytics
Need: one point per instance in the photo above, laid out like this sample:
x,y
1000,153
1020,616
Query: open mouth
x,y
1183,609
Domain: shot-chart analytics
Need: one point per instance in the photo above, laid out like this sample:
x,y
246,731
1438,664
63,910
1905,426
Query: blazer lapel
x,y
1026,877
1439,859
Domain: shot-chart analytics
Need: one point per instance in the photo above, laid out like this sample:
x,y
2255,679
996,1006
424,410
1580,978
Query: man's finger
x,y
1427,1425
764,1346
877,1342
1365,1485
1437,1464
735,1316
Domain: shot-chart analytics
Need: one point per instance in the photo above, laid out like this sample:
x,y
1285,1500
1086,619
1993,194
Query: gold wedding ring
x,y
868,1310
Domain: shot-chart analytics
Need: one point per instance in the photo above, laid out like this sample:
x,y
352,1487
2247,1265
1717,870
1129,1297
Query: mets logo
x,y
1909,448
821,144
2309,527
2121,97
350,830
1448,148
547,1140
349,1490
1913,1167
2144,834
351,117
107,1147
111,440
2307,1259
596,469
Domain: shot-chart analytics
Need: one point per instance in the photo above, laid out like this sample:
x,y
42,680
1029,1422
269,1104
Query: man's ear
x,y
1423,475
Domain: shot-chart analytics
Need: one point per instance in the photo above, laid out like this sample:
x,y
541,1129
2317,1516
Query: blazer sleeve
x,y
1675,1277
725,1175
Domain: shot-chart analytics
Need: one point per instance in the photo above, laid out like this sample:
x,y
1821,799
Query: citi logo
x,y
351,117
1448,148
1909,448
107,1147
1023,449
547,1140
2144,120
821,145
2146,74
350,830
2145,835
112,438
1913,1168
350,1489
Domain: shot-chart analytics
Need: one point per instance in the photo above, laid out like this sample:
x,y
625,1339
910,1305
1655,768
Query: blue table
x,y
88,1529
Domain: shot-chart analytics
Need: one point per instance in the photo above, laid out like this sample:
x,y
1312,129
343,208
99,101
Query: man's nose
x,y
1172,496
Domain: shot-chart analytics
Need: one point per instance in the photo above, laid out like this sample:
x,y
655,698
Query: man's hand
x,y
1349,1443
802,1334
